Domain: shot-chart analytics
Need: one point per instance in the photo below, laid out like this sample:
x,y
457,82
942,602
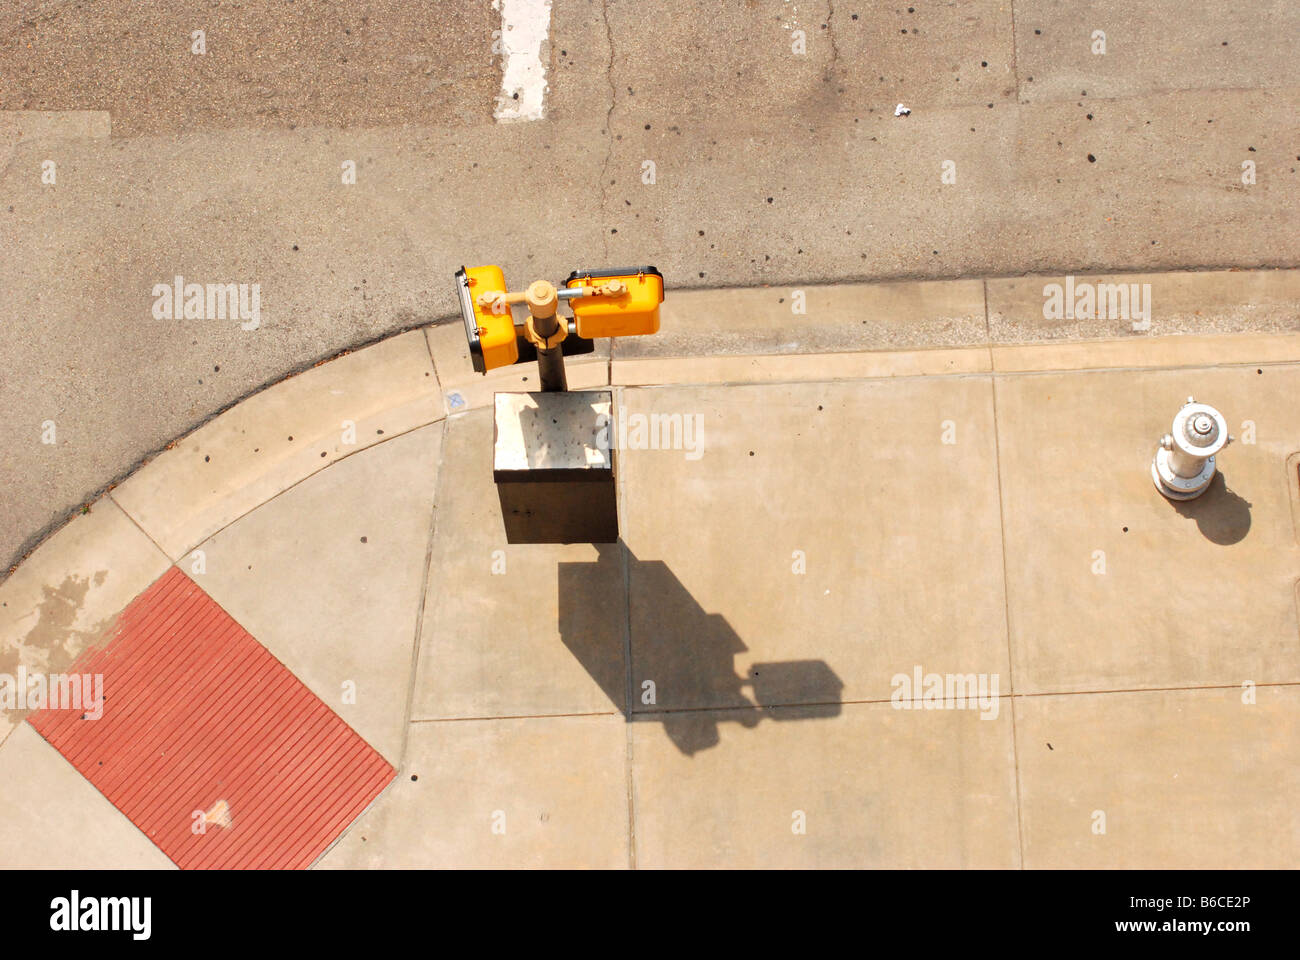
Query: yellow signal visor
x,y
631,314
491,335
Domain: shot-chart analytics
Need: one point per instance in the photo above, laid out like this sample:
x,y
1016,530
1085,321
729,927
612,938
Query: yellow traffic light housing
x,y
633,313
490,329
618,302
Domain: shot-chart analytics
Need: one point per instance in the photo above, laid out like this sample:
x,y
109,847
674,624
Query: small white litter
x,y
901,111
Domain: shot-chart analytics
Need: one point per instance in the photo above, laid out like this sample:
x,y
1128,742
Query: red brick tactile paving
x,y
197,712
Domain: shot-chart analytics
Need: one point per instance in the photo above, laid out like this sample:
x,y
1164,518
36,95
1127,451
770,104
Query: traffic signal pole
x,y
547,332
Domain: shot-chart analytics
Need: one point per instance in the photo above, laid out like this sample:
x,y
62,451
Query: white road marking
x,y
524,51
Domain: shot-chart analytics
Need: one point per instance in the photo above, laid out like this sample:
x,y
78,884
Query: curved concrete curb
x,y
279,437
73,584
817,332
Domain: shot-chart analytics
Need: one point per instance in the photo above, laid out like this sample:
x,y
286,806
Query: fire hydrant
x,y
1184,466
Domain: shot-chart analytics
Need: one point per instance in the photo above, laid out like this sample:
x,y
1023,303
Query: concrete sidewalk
x,y
723,687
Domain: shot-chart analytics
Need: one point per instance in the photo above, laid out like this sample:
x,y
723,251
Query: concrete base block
x,y
553,464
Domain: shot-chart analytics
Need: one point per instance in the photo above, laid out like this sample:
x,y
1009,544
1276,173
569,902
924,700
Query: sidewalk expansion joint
x,y
612,712
414,666
1006,603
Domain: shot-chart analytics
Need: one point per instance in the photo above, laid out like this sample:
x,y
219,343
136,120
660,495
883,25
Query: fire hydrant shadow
x,y
1222,516
685,656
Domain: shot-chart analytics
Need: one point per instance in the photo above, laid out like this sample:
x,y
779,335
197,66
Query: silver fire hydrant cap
x,y
1201,430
